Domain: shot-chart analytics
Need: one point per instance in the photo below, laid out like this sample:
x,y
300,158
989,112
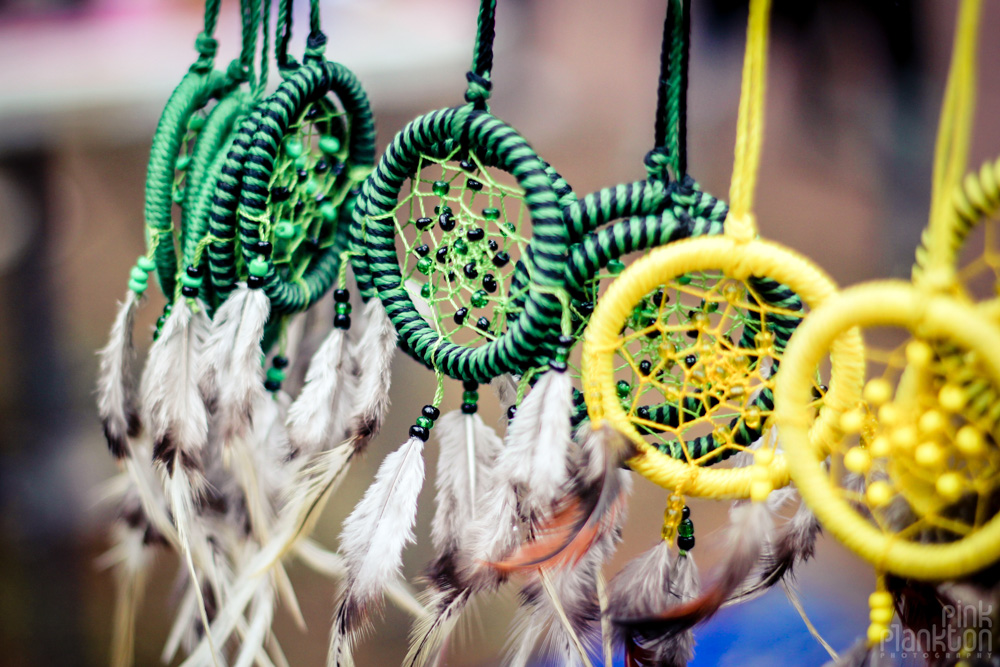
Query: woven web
x,y
693,358
979,261
919,456
194,124
308,185
460,230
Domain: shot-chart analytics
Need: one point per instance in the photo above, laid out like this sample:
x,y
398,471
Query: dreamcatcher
x,y
906,480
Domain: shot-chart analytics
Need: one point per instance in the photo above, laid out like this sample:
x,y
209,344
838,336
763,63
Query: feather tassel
x,y
131,559
318,416
375,351
116,385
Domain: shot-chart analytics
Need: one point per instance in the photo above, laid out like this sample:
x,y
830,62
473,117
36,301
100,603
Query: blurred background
x,y
853,95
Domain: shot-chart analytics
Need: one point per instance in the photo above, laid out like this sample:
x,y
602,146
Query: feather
x,y
431,630
505,387
378,529
751,527
317,417
232,378
131,558
374,351
185,615
260,625
116,390
339,653
859,655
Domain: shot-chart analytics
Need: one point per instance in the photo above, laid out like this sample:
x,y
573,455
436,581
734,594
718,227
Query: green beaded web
x,y
308,187
459,233
194,125
696,363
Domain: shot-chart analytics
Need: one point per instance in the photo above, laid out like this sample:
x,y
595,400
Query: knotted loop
x,y
206,46
478,91
238,72
315,45
659,164
742,228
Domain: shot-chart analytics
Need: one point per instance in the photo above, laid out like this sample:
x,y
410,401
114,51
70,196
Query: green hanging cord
x,y
265,23
670,141
478,77
316,42
205,44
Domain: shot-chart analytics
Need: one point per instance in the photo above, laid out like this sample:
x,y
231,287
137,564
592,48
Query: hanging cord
x,y
670,132
265,41
951,148
749,125
315,43
205,44
478,77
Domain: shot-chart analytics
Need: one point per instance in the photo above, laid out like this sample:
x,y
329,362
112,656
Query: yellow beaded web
x,y
460,229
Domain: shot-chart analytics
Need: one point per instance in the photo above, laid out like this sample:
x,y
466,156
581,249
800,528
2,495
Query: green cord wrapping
x,y
495,144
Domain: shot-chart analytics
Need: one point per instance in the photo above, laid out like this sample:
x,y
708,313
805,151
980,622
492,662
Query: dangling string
x,y
478,77
749,124
315,43
955,127
265,65
670,133
205,44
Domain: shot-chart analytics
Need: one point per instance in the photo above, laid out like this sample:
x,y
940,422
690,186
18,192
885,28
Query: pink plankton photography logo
x,y
965,631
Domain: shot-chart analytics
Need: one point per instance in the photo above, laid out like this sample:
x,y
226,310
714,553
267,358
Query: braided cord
x,y
671,115
478,91
205,44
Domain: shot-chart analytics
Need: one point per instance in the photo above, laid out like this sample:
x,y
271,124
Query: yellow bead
x,y
904,437
888,414
877,632
881,615
949,486
879,493
919,353
853,421
929,455
878,391
880,599
858,460
969,440
763,457
759,490
932,421
879,447
951,397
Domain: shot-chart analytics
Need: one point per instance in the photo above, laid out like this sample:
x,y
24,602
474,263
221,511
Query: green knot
x,y
315,45
237,72
659,164
478,91
206,46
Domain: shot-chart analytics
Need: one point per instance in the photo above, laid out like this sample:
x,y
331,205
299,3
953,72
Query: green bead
x,y
426,291
258,267
686,528
343,309
329,144
178,195
441,188
562,354
508,228
145,263
137,287
195,123
616,266
293,147
139,275
470,396
311,187
183,162
623,388
461,247
301,162
327,210
491,213
425,422
284,230
275,374
425,265
684,280
190,281
479,299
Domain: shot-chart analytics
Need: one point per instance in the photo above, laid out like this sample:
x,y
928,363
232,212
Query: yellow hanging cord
x,y
749,125
951,148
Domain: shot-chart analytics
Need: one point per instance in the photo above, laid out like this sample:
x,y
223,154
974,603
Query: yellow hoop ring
x,y
738,260
887,303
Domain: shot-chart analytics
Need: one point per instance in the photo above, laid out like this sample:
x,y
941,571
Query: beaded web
x,y
924,442
459,231
309,183
695,363
977,235
194,124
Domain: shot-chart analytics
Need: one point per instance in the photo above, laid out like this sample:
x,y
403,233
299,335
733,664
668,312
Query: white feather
x,y
116,390
374,352
260,625
318,416
131,559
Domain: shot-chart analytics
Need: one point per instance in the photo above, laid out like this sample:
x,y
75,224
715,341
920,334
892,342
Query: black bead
x,y
586,308
469,408
820,391
312,245
447,222
261,248
419,432
451,276
470,271
470,385
302,174
690,360
342,321
475,234
272,385
279,361
337,170
430,412
501,259
489,283
564,340
645,367
467,166
299,207
189,291
321,166
312,112
493,245
578,397
660,297
424,223
557,366
280,194
422,250
320,198
196,271
511,411
341,295
686,512
473,185
460,315
642,412
442,254
483,324
685,543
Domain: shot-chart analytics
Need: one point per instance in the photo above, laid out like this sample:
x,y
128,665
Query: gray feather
x,y
116,384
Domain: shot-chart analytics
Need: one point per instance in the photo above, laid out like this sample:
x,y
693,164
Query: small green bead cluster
x,y
425,422
276,373
685,531
470,397
342,309
138,279
162,319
